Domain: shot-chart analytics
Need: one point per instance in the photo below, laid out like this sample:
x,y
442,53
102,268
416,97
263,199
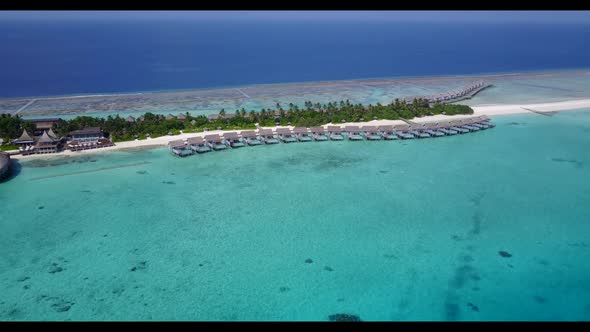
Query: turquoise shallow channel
x,y
491,225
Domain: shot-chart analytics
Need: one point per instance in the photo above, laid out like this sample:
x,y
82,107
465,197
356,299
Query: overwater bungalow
x,y
198,144
233,140
471,122
319,134
483,122
302,134
215,142
354,133
268,136
179,148
468,124
335,133
456,126
444,128
251,137
418,130
387,132
372,133
403,131
432,129
286,135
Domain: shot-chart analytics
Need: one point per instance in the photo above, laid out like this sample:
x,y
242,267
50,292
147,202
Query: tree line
x,y
154,125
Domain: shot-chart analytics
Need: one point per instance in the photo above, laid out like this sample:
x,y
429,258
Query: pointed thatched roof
x,y
45,138
170,116
130,119
181,116
25,136
51,133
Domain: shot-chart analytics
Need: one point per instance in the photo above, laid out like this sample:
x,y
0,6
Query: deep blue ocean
x,y
64,58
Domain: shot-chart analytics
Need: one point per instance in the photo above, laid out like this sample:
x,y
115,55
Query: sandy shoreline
x,y
489,110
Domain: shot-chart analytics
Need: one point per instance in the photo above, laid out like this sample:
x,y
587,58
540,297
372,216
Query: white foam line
x,y
25,106
242,92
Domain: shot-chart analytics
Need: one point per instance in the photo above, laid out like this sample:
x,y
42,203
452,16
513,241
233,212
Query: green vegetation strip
x,y
310,115
90,171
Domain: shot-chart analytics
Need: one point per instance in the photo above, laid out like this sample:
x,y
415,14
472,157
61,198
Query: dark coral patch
x,y
309,261
505,254
473,306
284,289
456,237
41,207
329,269
539,299
55,268
344,318
452,311
62,306
140,266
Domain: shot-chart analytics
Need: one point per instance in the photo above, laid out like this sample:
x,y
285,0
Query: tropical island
x,y
151,125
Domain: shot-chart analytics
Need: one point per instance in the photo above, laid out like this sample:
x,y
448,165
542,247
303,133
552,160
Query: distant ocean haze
x,y
77,57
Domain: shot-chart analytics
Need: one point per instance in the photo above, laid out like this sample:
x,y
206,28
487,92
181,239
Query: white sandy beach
x,y
489,110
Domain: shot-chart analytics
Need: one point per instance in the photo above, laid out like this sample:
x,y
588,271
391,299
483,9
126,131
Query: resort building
x,y
46,144
24,141
181,117
88,138
213,117
92,134
170,117
41,125
130,119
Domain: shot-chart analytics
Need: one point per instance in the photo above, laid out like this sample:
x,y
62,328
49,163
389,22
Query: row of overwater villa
x,y
218,142
467,91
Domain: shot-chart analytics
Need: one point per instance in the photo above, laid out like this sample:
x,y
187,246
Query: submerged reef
x,y
344,318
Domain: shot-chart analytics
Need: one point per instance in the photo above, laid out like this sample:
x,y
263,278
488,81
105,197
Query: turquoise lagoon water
x,y
385,230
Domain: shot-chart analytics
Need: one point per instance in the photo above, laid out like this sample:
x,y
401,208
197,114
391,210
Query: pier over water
x,y
466,92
